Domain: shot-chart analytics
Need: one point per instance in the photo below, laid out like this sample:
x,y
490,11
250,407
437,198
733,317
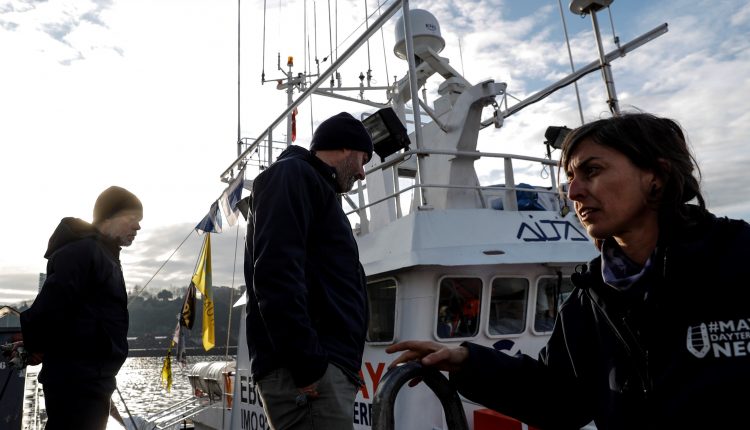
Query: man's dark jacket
x,y
307,302
671,352
79,320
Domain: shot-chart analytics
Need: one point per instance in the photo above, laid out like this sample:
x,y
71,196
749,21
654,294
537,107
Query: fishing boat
x,y
447,257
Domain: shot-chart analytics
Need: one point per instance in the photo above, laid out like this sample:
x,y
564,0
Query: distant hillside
x,y
153,319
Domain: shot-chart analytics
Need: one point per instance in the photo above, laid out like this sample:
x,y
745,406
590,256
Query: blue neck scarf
x,y
618,270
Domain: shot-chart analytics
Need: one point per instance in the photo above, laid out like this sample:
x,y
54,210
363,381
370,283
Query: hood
x,y
294,151
69,230
300,153
688,226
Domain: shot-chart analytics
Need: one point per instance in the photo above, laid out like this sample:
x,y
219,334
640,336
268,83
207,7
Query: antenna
x,y
590,7
461,54
570,57
239,128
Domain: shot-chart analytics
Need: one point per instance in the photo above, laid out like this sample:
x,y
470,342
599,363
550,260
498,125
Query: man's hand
x,y
309,392
17,355
34,358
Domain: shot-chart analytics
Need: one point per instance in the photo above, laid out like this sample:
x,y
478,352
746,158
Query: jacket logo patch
x,y
720,339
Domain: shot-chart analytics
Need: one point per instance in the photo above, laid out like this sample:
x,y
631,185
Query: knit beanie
x,y
113,200
342,131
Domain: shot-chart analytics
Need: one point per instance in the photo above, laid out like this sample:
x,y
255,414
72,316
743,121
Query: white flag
x,y
230,197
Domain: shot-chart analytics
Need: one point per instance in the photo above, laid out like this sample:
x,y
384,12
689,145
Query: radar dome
x,y
425,30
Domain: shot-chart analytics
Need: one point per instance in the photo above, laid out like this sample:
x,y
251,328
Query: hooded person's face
x,y
123,226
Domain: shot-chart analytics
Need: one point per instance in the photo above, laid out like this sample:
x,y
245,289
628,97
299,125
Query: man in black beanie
x,y
307,298
330,143
78,324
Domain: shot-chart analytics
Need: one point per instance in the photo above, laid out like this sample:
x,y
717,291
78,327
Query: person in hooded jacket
x,y
656,333
78,324
307,300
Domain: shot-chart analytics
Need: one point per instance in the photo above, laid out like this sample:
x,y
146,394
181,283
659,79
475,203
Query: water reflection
x,y
143,394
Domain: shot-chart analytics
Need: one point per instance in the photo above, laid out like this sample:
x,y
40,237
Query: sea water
x,y
141,392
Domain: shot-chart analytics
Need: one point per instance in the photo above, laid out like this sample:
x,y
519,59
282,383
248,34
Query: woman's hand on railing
x,y
431,354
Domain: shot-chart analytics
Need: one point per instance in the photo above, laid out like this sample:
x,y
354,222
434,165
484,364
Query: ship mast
x,y
590,7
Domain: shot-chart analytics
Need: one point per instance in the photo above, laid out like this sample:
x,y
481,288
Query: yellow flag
x,y
202,281
166,370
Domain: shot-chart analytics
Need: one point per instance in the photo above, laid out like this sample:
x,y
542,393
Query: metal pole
x,y
135,426
289,101
609,80
414,95
570,57
239,129
270,147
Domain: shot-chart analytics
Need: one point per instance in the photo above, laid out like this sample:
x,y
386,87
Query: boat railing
x,y
383,407
187,409
176,413
507,190
32,419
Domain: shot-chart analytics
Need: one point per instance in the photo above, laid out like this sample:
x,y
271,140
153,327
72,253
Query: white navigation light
x,y
583,7
425,31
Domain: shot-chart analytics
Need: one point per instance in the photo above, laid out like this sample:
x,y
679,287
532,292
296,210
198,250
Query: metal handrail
x,y
383,406
172,409
186,415
401,191
400,157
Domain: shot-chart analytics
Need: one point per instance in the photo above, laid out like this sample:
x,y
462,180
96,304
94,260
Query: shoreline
x,y
191,352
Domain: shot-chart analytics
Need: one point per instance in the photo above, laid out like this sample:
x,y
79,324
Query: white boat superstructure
x,y
447,258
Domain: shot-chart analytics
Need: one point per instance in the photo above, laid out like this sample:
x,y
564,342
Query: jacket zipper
x,y
644,385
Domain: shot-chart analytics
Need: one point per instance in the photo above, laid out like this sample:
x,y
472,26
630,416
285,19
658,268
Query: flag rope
x,y
126,407
138,292
231,294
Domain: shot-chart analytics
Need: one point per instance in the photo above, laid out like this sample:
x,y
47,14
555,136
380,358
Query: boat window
x,y
508,305
548,289
459,302
381,297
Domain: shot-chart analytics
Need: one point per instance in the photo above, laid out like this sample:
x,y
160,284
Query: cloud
x,y
94,16
16,287
58,30
73,24
741,17
142,260
10,8
10,26
20,6
696,74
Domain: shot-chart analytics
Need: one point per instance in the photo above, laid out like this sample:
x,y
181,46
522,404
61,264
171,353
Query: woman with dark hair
x,y
653,146
656,333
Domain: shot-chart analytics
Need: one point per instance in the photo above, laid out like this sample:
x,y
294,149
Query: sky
x,y
143,94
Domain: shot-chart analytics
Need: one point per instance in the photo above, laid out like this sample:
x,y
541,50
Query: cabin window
x,y
458,307
550,294
508,306
381,297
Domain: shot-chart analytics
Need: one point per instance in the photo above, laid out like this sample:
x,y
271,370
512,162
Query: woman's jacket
x,y
673,351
